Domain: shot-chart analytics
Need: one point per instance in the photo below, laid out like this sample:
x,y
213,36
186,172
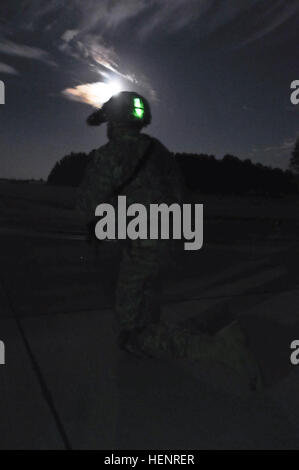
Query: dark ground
x,y
65,383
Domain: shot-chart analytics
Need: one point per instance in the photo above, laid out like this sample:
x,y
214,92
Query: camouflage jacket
x,y
158,180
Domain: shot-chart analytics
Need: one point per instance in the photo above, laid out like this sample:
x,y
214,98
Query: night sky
x,y
217,73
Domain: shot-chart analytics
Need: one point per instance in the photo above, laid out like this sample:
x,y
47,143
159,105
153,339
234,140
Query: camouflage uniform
x,y
137,303
138,289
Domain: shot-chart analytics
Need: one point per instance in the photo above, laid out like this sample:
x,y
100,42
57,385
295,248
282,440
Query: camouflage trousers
x,y
138,307
138,290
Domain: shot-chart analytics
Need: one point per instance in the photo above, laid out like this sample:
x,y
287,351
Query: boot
x,y
227,347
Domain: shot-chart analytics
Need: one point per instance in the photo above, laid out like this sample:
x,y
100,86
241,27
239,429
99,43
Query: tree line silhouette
x,y
233,176
69,171
204,173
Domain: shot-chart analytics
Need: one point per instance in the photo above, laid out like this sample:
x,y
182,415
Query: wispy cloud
x,y
86,29
278,154
282,148
165,16
94,94
4,68
272,17
11,48
102,59
89,47
172,16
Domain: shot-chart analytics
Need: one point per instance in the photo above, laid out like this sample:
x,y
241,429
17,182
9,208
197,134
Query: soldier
x,y
141,168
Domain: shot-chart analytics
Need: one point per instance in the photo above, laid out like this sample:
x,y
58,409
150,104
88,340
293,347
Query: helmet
x,y
126,107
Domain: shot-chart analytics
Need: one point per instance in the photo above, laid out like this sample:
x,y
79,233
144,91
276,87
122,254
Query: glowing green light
x,y
138,111
138,103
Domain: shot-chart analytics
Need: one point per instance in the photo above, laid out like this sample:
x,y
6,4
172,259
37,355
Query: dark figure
x,y
141,168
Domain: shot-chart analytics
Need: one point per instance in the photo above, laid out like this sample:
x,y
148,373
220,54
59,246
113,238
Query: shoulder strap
x,y
141,163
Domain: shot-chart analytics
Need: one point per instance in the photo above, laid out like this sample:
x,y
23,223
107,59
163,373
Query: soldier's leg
x,y
257,348
228,347
137,302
